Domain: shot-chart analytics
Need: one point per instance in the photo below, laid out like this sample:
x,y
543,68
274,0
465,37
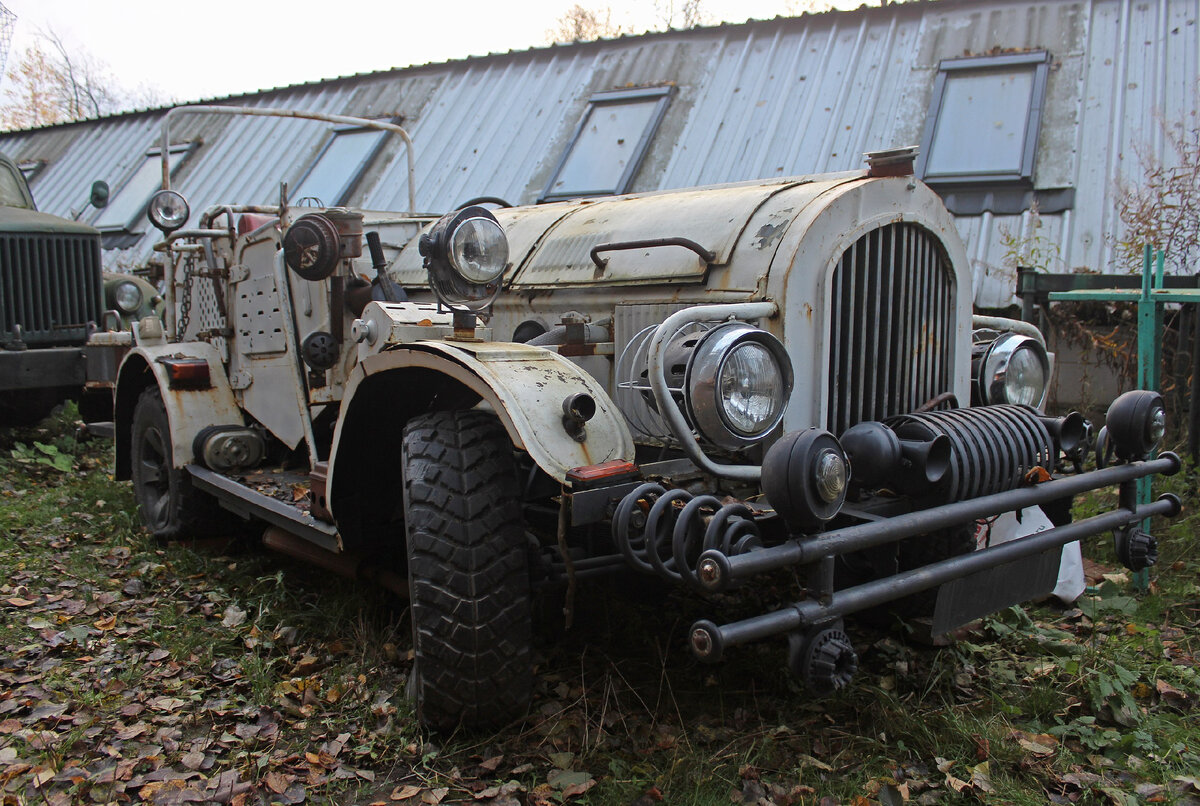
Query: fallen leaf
x,y
405,792
433,796
234,616
275,782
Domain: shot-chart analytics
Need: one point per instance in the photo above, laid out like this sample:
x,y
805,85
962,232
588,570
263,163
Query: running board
x,y
249,503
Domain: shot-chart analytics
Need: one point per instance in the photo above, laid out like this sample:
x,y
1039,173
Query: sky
x,y
190,51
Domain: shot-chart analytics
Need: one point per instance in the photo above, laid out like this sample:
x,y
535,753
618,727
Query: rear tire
x,y
468,568
170,507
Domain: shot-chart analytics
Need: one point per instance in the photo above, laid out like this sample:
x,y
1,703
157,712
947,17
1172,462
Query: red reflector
x,y
186,373
606,470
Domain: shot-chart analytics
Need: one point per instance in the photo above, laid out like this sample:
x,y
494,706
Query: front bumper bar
x,y
717,572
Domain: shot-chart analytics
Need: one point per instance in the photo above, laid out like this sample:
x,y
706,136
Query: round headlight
x,y
750,389
738,383
168,210
1015,370
466,253
479,250
127,296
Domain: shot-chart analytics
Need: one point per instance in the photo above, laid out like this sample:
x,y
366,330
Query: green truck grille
x,y
50,285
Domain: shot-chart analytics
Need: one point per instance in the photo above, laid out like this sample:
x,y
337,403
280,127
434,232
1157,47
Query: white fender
x,y
188,410
525,386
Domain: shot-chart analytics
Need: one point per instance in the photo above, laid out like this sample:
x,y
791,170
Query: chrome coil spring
x,y
992,447
667,536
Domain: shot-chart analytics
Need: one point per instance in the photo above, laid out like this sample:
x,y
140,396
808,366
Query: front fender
x,y
524,385
188,410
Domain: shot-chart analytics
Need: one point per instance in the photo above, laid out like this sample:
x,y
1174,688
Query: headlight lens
x,y
830,475
127,296
750,389
1025,380
1015,370
738,381
479,250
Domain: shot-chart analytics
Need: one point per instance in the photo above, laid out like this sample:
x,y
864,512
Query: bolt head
x,y
702,642
709,571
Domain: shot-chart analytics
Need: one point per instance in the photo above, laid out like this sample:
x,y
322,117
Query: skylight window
x,y
984,119
607,148
330,179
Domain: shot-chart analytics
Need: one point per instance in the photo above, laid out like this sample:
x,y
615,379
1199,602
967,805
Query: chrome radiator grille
x,y
50,286
891,326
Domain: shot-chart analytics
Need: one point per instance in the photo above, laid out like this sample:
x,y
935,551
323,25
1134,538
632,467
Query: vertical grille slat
x,y
50,286
891,326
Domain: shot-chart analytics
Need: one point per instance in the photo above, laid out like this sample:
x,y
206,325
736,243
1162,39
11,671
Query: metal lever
x,y
391,291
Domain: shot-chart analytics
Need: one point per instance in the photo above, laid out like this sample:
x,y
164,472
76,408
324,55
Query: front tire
x,y
468,569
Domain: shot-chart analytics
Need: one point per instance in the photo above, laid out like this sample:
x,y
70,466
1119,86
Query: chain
x,y
185,301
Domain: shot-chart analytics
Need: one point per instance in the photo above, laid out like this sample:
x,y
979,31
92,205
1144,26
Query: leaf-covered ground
x,y
136,672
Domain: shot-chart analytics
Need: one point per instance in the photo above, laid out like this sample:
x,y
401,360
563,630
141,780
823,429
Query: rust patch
x,y
768,235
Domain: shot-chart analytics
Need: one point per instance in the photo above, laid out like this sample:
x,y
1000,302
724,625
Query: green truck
x,y
54,296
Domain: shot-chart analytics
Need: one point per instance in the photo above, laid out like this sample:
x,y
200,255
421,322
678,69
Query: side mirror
x,y
99,198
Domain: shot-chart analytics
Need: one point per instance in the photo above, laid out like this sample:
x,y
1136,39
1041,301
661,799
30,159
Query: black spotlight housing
x,y
805,476
1136,421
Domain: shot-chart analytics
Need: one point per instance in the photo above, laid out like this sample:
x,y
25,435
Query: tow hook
x,y
823,659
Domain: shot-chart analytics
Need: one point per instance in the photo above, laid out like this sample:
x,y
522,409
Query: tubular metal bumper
x,y
717,572
709,641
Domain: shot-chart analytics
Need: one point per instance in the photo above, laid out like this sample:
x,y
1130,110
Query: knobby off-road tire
x,y
468,571
169,505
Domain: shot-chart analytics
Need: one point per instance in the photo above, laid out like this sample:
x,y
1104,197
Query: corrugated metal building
x,y
1012,101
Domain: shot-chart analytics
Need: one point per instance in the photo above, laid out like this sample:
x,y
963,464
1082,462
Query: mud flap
x,y
976,595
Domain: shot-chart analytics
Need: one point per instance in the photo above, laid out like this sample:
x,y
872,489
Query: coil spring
x,y
992,447
675,534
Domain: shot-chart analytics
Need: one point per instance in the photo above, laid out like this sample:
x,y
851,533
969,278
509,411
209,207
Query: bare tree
x,y
1163,208
681,14
55,82
581,24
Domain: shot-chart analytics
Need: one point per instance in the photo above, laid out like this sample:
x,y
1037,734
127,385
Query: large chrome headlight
x,y
466,254
1013,369
738,383
127,296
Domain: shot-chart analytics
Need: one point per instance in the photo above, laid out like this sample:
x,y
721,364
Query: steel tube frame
x,y
799,551
806,613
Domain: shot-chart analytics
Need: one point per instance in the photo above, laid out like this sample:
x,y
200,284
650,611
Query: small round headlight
x,y
127,296
168,210
466,253
738,381
1014,370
